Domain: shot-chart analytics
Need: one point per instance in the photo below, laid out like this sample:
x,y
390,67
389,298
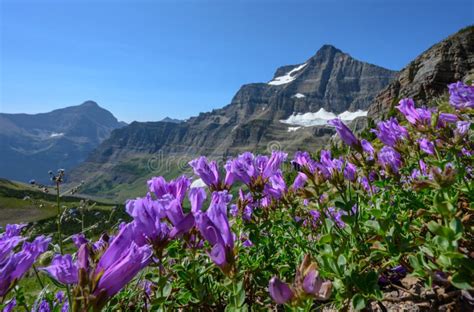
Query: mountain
x,y
288,112
31,145
426,77
173,120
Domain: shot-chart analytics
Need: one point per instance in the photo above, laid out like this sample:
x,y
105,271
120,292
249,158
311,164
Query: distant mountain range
x,y
31,145
289,112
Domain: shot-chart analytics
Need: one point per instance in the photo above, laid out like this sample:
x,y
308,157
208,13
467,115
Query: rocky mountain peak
x,y
89,103
426,77
327,51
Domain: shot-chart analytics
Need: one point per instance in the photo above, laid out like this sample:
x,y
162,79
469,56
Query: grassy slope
x,y
23,203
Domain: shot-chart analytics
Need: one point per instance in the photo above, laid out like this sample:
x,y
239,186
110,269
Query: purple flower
x,y
446,118
328,166
208,172
43,307
426,146
247,243
393,275
15,265
461,96
390,158
345,133
315,286
174,189
390,132
79,239
304,160
368,148
214,227
412,114
300,181
10,305
63,269
59,296
65,307
350,172
119,264
462,127
242,168
366,184
336,216
197,196
147,217
280,292
261,173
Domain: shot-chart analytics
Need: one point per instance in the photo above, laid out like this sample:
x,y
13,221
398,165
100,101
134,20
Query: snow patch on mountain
x,y
299,95
287,78
320,118
293,129
55,135
352,115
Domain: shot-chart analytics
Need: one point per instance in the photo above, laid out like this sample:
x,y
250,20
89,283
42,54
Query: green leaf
x,y
341,262
461,281
456,227
434,227
358,302
373,224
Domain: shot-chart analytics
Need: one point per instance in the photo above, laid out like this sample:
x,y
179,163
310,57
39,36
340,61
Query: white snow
x,y
55,135
320,118
299,95
352,115
287,78
293,129
198,183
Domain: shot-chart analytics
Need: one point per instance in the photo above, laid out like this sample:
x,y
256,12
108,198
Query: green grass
x,y
22,203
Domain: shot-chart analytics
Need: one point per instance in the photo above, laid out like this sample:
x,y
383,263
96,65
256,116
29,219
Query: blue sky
x,y
144,60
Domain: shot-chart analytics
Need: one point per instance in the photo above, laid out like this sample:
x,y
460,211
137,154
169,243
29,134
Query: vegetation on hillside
x,y
365,225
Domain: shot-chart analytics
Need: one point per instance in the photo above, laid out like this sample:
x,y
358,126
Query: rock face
x,y
330,79
31,145
427,76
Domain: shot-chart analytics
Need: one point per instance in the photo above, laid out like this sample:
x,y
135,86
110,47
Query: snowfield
x,y
287,78
320,118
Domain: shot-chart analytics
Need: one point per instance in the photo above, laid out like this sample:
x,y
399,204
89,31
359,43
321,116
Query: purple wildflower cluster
x,y
97,271
13,265
307,283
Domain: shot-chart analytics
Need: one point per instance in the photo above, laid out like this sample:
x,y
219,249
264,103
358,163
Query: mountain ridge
x,y
426,77
330,79
33,144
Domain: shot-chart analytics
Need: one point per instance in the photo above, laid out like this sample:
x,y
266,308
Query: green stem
x,y
38,277
60,239
59,219
23,302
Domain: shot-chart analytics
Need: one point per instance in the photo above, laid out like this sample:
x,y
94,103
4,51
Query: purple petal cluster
x,y
120,263
63,269
14,265
307,283
214,227
390,132
117,266
345,133
426,146
415,116
389,158
209,173
260,173
280,292
461,96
